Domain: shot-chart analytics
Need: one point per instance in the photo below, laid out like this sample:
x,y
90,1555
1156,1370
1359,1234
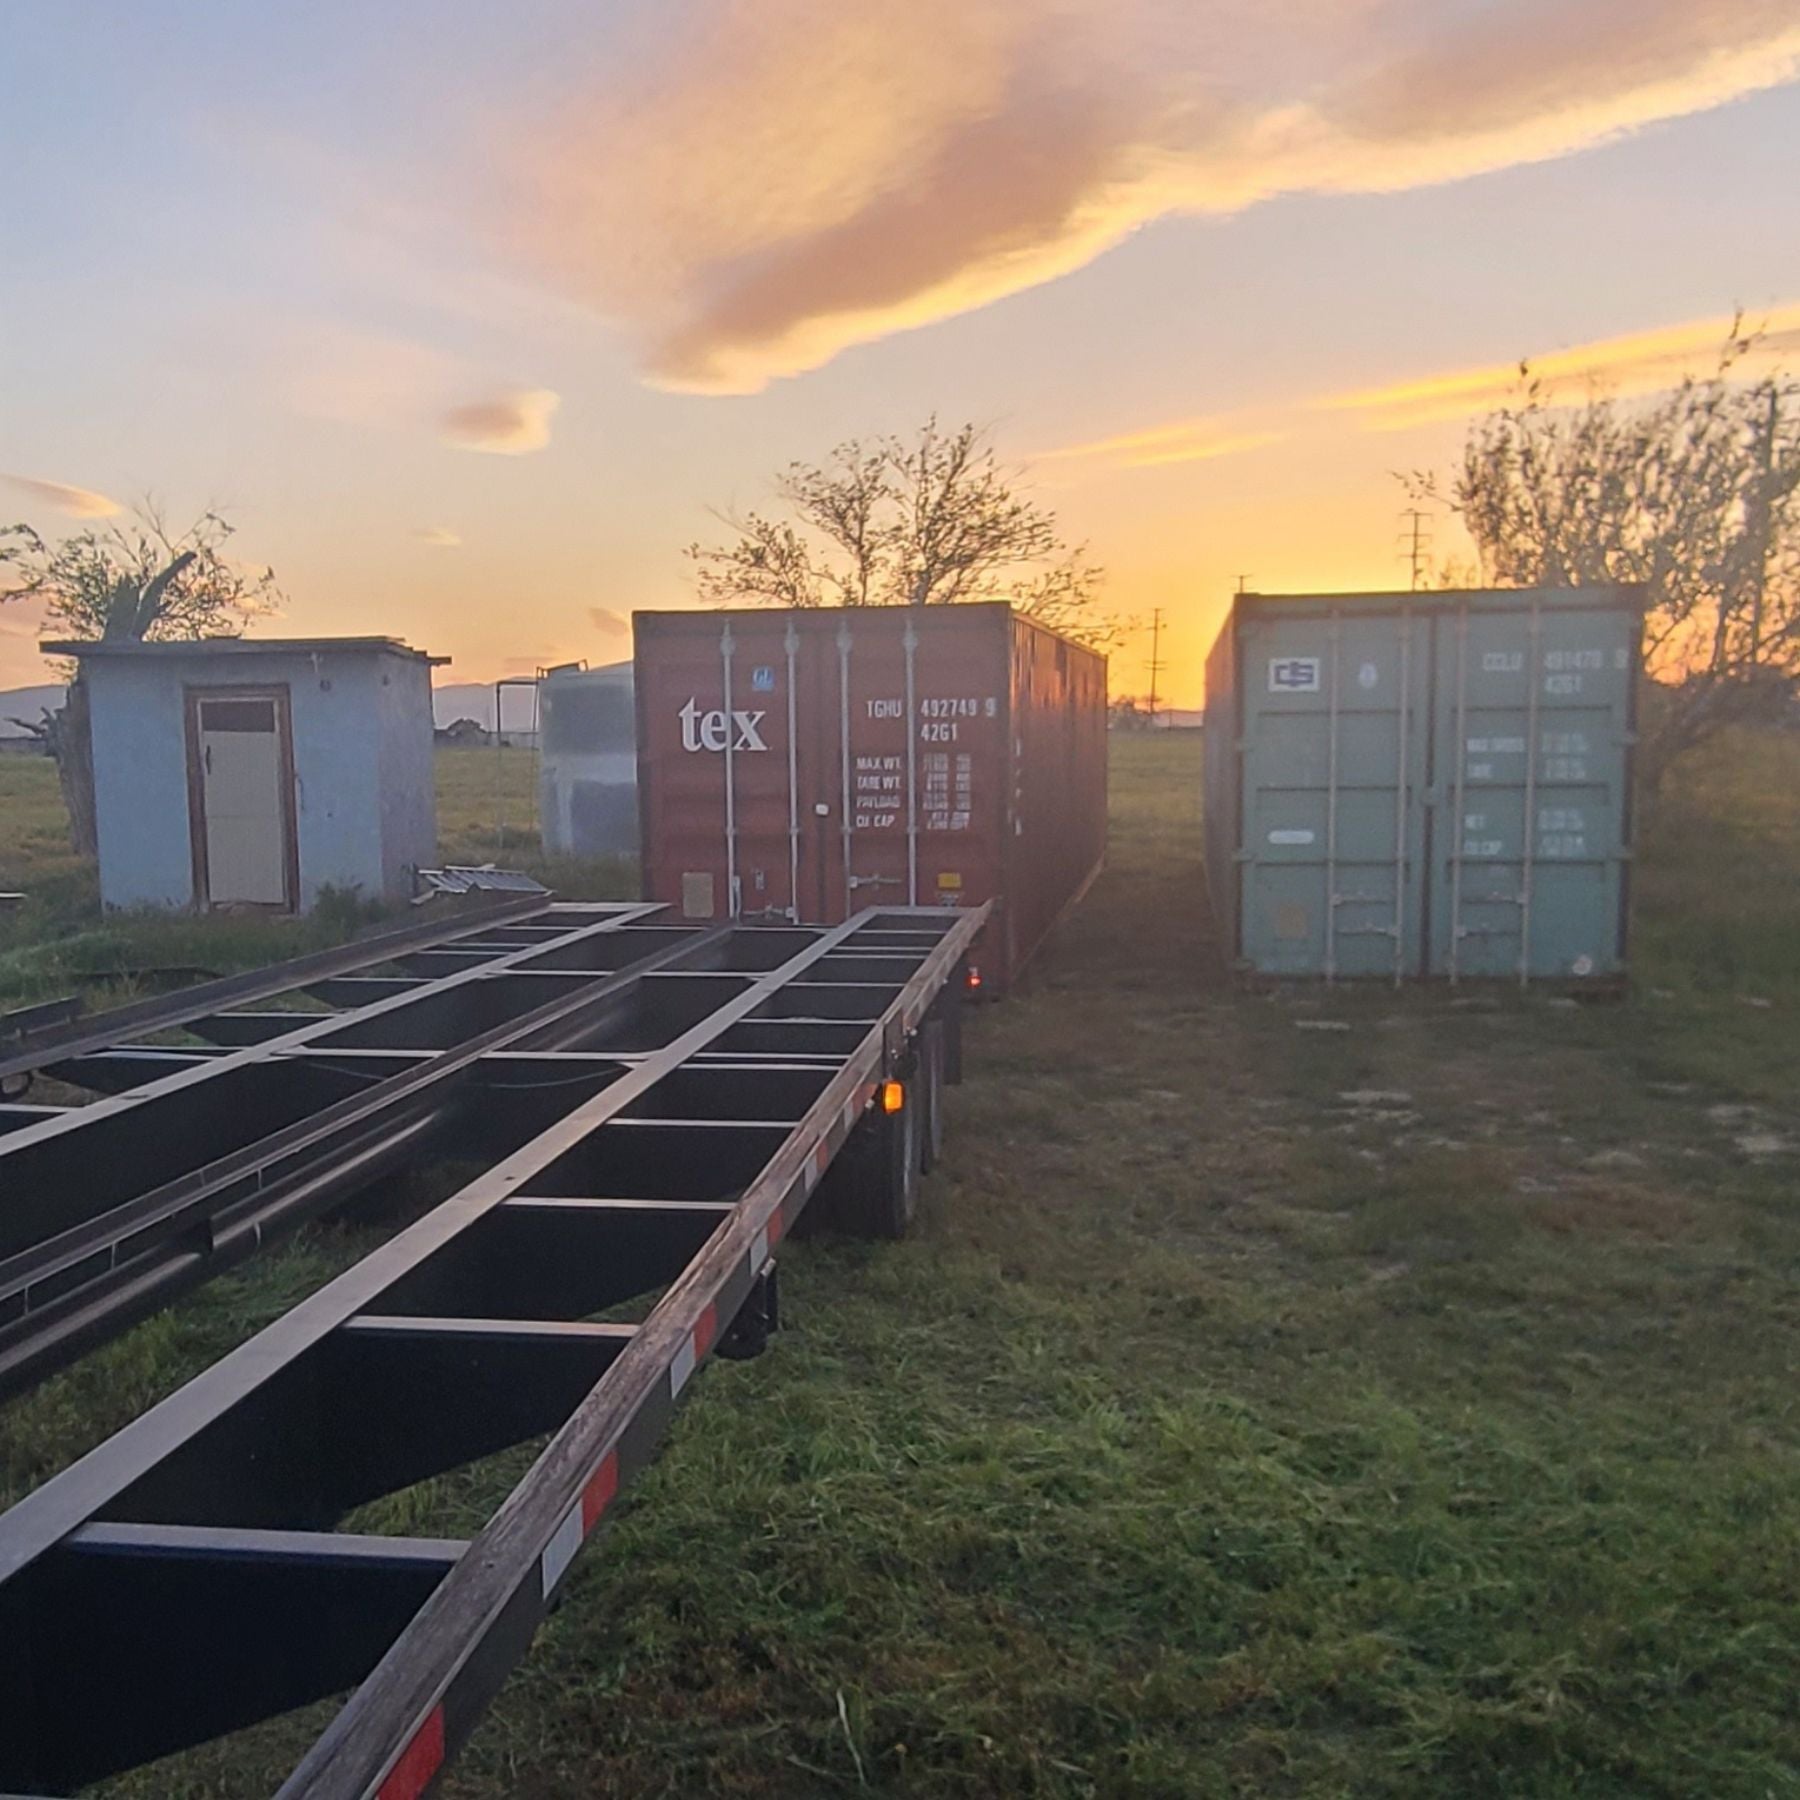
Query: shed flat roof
x,y
227,646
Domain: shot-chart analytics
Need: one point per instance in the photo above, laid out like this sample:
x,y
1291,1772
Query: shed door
x,y
239,742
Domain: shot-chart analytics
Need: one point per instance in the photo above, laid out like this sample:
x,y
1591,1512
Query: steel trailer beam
x,y
76,1035
471,1330
108,1210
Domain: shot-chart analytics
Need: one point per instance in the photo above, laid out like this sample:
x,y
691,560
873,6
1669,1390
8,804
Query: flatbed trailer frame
x,y
193,1569
199,1154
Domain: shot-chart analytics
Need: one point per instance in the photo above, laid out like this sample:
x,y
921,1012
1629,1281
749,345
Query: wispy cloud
x,y
505,425
1641,362
1636,363
440,535
347,376
805,175
1190,440
609,623
76,502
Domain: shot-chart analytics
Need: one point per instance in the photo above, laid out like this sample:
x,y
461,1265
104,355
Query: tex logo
x,y
707,730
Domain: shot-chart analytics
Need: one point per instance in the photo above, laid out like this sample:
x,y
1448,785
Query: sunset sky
x,y
466,314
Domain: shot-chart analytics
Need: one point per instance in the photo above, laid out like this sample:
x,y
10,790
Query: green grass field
x,y
60,944
1409,1409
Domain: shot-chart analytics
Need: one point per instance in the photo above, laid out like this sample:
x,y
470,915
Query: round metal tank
x,y
587,780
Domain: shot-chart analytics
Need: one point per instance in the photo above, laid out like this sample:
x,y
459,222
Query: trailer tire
x,y
871,1189
931,1095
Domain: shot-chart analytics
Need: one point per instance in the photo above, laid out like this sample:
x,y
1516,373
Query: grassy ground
x,y
59,943
1406,1409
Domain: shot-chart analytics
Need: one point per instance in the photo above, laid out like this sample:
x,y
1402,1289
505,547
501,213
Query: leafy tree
x,y
894,522
136,581
1691,493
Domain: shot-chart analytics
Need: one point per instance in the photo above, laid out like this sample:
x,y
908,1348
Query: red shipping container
x,y
821,762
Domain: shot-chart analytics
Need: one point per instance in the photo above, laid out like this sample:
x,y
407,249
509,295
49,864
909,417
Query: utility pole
x,y
1156,662
1765,518
1416,543
1243,583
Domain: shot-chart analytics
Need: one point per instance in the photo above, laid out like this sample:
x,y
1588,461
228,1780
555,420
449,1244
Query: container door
x,y
1335,741
717,761
920,745
239,746
878,765
1534,714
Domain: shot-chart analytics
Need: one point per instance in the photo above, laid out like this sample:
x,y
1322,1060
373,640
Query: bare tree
x,y
136,581
894,522
1691,493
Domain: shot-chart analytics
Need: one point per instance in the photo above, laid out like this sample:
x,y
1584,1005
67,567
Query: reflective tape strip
x,y
419,1761
560,1551
578,1521
682,1368
759,1252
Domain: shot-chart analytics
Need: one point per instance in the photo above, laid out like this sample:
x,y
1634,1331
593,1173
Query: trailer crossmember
x,y
572,1290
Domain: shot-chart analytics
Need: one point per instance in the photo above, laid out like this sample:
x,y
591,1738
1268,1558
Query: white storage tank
x,y
587,780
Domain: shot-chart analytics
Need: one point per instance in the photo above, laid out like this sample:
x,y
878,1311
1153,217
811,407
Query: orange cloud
x,y
440,535
607,622
506,425
1639,362
77,503
1193,440
772,181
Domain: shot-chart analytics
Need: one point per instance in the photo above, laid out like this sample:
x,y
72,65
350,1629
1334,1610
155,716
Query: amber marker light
x,y
893,1096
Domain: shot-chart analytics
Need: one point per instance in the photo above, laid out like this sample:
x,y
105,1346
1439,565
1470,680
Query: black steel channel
x,y
424,1695
103,1031
120,1235
270,1186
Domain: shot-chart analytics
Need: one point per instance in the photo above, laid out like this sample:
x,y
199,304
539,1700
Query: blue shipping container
x,y
1424,784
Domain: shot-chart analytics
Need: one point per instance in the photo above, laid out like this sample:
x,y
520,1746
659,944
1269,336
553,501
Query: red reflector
x,y
597,1496
704,1331
421,1759
974,978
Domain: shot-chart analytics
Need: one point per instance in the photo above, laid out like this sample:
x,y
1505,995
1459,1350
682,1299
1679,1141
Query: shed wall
x,y
364,800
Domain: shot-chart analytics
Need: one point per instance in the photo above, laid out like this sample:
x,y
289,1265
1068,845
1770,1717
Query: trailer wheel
x,y
871,1189
931,1094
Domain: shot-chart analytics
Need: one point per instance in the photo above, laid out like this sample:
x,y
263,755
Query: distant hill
x,y
27,703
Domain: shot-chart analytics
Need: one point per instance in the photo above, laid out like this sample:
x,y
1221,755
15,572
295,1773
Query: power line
x,y
1415,542
1155,664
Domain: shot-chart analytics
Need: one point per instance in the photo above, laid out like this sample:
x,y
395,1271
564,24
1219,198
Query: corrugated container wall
x,y
1404,785
587,773
821,762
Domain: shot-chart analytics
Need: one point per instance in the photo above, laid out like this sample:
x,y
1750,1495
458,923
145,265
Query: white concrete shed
x,y
252,773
